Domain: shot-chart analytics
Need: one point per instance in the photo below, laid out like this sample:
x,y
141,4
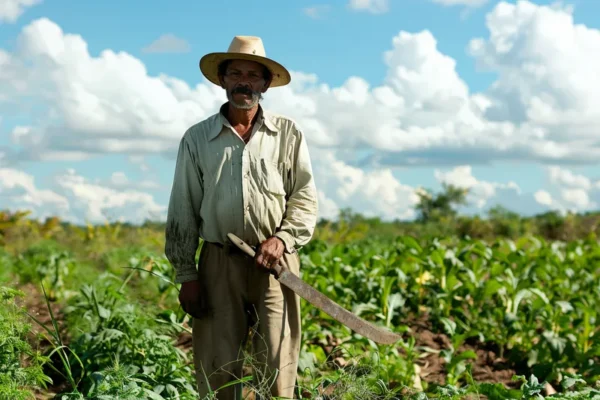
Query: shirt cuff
x,y
287,239
186,274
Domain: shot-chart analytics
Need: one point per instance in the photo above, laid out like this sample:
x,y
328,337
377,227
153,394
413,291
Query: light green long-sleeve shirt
x,y
254,190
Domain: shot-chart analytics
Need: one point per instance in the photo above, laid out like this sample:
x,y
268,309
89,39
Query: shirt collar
x,y
263,116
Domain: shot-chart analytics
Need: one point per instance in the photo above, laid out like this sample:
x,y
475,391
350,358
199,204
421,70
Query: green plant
x,y
21,367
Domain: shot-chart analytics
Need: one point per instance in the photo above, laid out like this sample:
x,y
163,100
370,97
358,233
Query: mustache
x,y
244,90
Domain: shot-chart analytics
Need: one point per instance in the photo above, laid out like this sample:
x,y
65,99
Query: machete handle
x,y
243,246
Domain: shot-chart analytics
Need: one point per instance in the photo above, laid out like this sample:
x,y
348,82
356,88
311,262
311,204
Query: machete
x,y
319,300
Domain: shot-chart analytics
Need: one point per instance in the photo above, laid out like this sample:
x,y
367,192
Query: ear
x,y
222,81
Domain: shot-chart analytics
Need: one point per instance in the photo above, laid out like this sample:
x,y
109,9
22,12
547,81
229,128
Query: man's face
x,y
244,83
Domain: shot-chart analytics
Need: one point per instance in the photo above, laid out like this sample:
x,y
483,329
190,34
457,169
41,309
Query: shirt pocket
x,y
271,179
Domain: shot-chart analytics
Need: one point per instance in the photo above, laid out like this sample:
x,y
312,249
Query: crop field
x,y
91,313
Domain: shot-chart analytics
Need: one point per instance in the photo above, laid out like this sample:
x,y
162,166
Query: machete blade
x,y
322,302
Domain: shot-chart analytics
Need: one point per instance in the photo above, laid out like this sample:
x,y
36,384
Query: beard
x,y
256,96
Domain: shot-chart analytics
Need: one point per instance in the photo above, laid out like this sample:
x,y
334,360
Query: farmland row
x,y
469,313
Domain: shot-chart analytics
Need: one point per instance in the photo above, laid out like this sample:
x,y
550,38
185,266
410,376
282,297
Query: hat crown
x,y
247,45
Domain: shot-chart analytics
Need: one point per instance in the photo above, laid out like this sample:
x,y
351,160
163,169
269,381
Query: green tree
x,y
435,207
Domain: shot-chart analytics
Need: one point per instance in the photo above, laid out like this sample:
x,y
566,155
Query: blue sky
x,y
336,42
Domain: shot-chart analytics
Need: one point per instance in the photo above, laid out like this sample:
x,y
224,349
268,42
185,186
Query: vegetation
x,y
499,306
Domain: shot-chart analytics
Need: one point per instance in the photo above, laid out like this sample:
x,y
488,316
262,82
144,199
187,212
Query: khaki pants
x,y
244,297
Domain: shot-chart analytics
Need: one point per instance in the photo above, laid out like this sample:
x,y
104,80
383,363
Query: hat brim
x,y
209,65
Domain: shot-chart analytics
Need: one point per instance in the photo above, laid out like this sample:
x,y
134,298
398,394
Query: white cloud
x,y
139,162
328,209
379,193
468,3
372,193
97,203
168,43
11,10
372,6
109,103
75,199
570,191
18,191
317,11
543,197
118,180
540,109
548,81
578,199
480,192
565,177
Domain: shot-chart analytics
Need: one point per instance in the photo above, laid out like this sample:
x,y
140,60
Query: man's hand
x,y
192,298
269,252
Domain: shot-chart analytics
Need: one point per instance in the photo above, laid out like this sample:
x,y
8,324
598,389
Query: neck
x,y
238,116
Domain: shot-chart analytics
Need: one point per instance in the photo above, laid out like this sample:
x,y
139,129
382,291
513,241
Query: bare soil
x,y
489,366
40,340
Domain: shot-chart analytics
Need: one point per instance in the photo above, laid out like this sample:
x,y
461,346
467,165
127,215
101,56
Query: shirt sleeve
x,y
183,215
300,217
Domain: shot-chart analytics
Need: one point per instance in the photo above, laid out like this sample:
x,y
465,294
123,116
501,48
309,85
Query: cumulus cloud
x,y
371,6
548,82
108,103
168,43
480,192
11,10
74,198
372,193
543,197
541,108
570,191
18,191
567,178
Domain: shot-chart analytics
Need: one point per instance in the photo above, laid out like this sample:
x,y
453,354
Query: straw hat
x,y
244,48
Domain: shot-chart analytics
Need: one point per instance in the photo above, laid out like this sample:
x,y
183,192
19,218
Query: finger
x,y
271,260
265,262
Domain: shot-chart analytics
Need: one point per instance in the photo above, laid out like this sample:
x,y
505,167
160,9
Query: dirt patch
x,y
35,304
184,341
488,367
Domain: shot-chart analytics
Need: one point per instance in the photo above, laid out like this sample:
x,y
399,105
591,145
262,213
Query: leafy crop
x,y
21,366
536,302
532,304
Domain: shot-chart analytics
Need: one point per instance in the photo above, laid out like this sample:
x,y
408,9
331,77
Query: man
x,y
246,171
